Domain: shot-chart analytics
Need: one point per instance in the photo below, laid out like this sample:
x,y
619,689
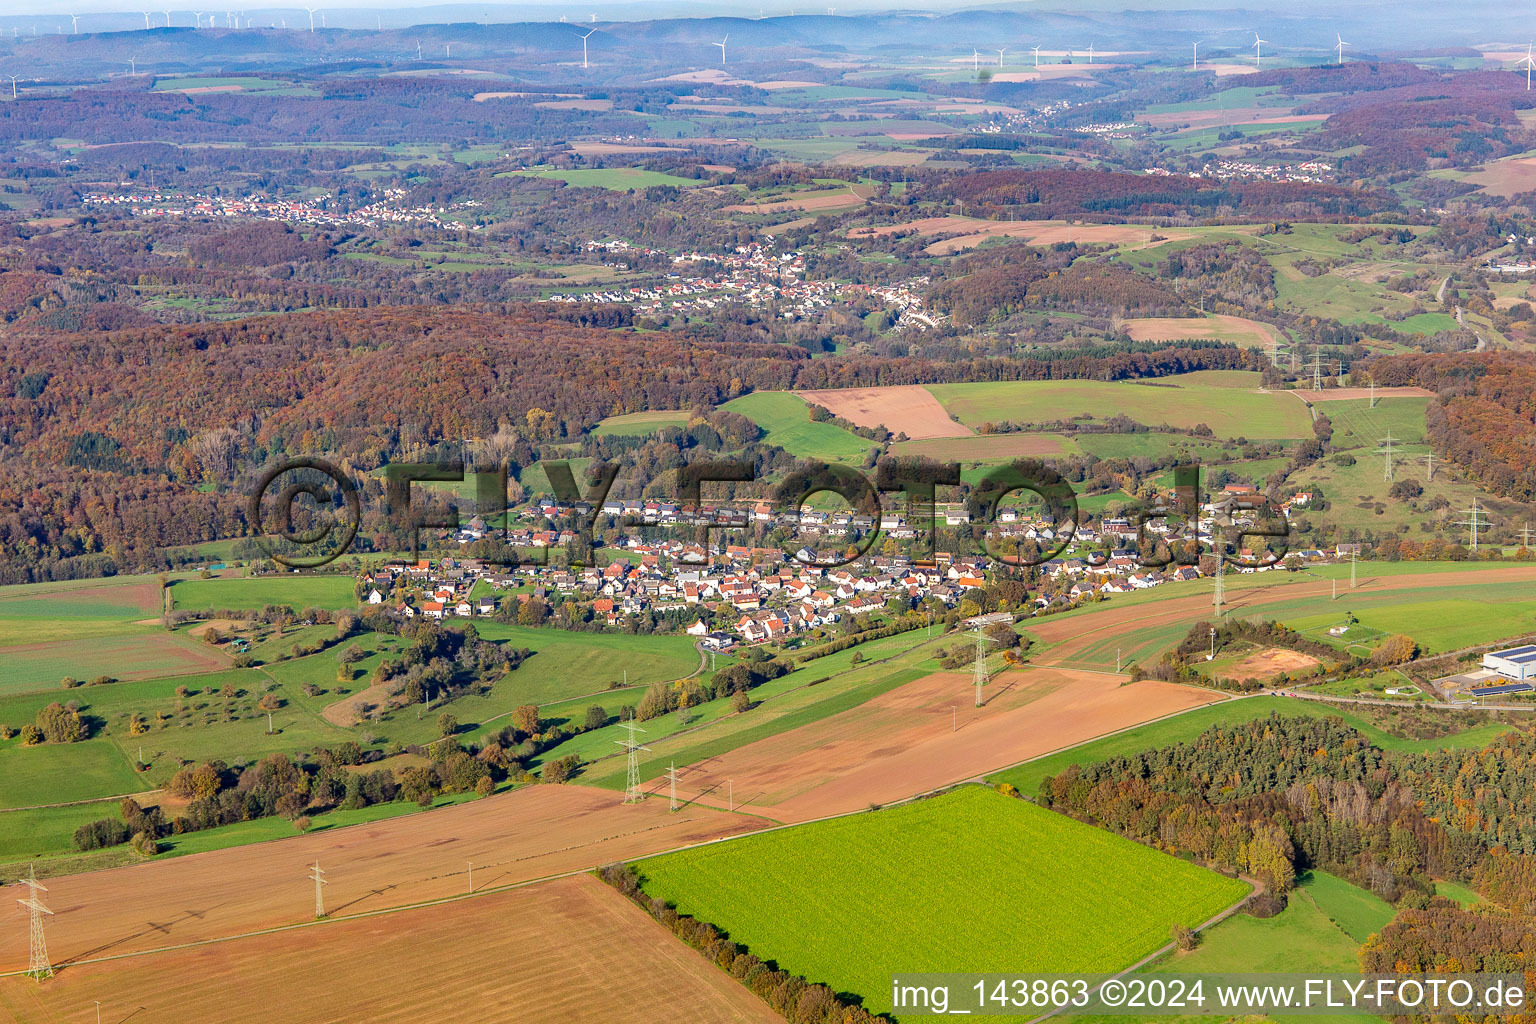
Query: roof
x,y
1519,655
1489,691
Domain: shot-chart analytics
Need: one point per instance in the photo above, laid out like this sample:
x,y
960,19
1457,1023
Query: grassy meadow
x,y
919,884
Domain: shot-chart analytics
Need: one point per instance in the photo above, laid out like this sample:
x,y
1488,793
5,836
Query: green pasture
x,y
786,420
297,592
928,877
1226,401
640,424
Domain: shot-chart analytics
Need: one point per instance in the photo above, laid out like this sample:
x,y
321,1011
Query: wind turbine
x,y
418,49
975,59
1090,53
311,11
1258,52
584,49
1341,46
197,19
133,67
594,18
167,18
831,12
1037,55
1529,63
1000,56
74,23
146,21
13,84
721,44
1196,65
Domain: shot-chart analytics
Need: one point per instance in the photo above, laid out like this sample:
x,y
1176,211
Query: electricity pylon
x,y
981,661
38,966
1220,596
672,778
1473,521
1387,449
319,878
1317,371
632,794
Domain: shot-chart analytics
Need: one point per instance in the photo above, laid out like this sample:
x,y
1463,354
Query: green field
x,y
59,773
970,881
617,178
1357,425
1442,625
566,664
1225,401
148,654
639,424
786,420
297,592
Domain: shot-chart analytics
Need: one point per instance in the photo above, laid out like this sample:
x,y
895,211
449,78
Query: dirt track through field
x,y
563,951
514,837
924,735
909,409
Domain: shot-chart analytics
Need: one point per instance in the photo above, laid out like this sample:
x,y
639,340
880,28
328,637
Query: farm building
x,y
1516,663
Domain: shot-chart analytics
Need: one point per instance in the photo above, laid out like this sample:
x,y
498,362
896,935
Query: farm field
x,y
1158,623
986,447
583,952
1226,401
617,179
1445,624
1357,425
786,420
55,773
640,424
1058,873
511,837
908,409
28,668
32,614
566,664
920,736
297,592
1220,326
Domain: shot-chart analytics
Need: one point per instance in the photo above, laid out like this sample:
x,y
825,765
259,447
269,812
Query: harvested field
x,y
817,201
1268,663
983,447
610,148
1507,177
568,950
925,735
1220,326
575,105
1345,394
907,408
969,232
515,837
1221,118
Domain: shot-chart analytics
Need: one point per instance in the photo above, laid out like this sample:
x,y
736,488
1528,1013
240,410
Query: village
x,y
752,275
315,211
727,594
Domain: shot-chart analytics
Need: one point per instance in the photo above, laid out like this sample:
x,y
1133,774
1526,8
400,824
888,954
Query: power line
x,y
319,878
981,661
1387,449
672,778
632,794
38,965
1473,522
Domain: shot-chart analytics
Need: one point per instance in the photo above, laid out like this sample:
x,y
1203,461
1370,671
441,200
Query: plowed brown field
x,y
518,836
908,408
925,735
561,952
